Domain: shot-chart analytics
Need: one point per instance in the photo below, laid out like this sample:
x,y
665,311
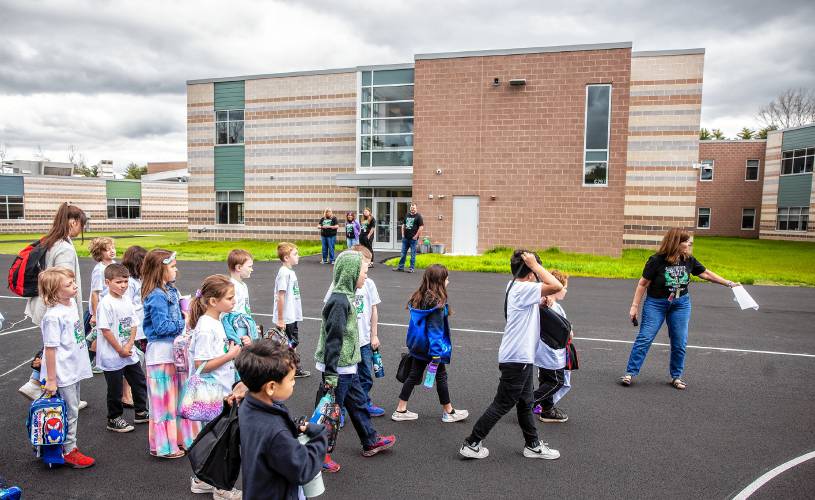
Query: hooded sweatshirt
x,y
338,345
428,334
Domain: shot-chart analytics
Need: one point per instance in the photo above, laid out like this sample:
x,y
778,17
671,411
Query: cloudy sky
x,y
108,76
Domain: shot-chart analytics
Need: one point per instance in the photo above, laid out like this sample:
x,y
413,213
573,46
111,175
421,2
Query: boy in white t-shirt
x,y
103,251
65,357
240,264
516,357
554,380
288,309
115,354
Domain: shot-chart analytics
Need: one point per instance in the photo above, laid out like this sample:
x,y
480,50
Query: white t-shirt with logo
x,y
133,295
98,282
292,309
545,356
118,316
365,299
209,341
61,329
522,333
241,297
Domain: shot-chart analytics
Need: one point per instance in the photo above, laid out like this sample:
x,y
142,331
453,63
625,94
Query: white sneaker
x,y
456,416
31,390
473,451
405,415
198,486
541,451
82,405
233,494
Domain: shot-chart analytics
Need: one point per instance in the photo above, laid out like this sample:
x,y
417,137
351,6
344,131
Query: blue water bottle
x,y
379,368
430,374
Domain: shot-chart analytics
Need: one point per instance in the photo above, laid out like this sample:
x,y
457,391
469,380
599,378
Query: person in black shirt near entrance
x,y
366,236
411,231
328,235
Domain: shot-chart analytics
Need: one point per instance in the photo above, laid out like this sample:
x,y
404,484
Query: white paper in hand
x,y
741,296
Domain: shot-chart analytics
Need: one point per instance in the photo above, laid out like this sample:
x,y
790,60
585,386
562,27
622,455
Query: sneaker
x,y
323,262
96,370
82,405
553,414
410,270
398,269
128,404
233,494
399,416
370,265
198,486
141,417
537,409
31,389
375,411
77,460
342,418
474,450
455,416
382,443
119,424
541,450
302,373
331,466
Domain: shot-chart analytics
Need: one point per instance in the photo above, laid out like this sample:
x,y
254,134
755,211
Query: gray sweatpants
x,y
70,393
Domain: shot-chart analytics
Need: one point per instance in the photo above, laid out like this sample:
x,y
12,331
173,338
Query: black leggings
x,y
415,378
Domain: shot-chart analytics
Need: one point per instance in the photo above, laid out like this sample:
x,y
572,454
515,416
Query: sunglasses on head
x,y
169,259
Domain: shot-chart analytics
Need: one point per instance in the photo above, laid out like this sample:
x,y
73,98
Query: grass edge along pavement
x,y
749,261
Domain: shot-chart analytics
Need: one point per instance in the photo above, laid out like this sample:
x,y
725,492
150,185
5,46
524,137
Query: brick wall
x,y
522,145
728,193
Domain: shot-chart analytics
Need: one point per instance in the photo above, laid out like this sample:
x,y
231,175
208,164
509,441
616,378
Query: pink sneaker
x,y
383,443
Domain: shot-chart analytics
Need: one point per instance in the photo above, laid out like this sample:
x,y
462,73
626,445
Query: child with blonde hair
x,y
288,308
103,251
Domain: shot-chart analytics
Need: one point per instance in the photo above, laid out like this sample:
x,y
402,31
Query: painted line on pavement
x,y
20,330
18,366
770,475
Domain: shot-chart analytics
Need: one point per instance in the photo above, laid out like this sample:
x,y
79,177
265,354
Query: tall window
x,y
11,207
229,206
751,170
748,218
229,127
703,218
797,161
124,208
706,172
386,118
792,218
598,122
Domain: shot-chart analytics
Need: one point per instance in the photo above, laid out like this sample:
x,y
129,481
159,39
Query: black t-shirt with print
x,y
324,223
366,228
412,224
349,230
666,277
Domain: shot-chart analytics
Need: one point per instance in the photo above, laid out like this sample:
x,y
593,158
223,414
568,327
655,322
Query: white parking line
x,y
768,476
18,366
20,330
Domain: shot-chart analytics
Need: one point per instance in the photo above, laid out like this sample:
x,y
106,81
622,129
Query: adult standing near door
x,y
366,236
411,231
665,279
328,235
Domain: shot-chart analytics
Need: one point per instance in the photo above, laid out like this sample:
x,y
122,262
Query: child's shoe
x,y
233,494
455,416
540,450
553,414
330,465
375,411
399,416
141,417
77,460
301,373
31,389
382,443
198,486
473,450
82,405
119,424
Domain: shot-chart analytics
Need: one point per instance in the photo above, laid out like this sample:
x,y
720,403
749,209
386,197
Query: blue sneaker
x,y
342,418
375,411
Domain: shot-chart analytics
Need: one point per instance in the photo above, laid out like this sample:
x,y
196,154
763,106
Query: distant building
x,y
38,167
167,171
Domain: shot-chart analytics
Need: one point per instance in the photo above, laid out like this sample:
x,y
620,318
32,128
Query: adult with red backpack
x,y
52,250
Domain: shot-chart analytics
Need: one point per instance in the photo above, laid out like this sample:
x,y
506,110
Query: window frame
x,y
802,219
228,202
127,206
228,121
712,166
751,228
790,156
361,136
585,136
709,217
5,206
747,169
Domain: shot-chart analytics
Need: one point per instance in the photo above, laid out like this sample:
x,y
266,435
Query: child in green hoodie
x,y
338,354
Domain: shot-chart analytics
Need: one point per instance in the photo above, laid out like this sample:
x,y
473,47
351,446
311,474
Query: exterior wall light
x,y
517,82
496,81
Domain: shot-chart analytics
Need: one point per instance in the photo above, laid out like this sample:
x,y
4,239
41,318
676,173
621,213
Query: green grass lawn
x,y
754,262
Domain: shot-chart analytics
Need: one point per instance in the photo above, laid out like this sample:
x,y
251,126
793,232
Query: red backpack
x,y
24,271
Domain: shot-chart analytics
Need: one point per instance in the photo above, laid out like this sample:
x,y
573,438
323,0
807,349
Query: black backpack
x,y
554,328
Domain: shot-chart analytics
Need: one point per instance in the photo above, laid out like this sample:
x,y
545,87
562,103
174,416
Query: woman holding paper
x,y
664,284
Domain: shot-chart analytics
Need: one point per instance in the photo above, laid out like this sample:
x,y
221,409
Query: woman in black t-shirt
x,y
366,236
665,278
328,235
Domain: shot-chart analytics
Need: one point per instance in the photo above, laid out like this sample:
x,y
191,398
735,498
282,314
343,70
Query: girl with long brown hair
x,y
665,279
428,343
367,224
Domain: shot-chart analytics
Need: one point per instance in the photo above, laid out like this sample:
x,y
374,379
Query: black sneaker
x,y
553,414
302,373
141,417
119,424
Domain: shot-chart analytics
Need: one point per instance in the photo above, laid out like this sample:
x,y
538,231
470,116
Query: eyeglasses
x,y
169,259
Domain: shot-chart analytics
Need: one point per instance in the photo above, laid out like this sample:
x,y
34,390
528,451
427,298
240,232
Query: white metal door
x,y
465,225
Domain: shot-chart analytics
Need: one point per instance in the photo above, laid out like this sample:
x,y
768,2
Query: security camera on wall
x,y
438,171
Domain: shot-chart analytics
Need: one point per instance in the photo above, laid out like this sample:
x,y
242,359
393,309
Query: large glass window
x,y
229,127
598,119
386,118
706,172
751,170
797,161
748,218
11,207
124,208
792,218
229,207
703,218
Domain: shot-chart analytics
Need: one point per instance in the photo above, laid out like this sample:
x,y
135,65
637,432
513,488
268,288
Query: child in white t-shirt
x,y
288,309
553,377
103,251
132,260
240,264
65,360
116,354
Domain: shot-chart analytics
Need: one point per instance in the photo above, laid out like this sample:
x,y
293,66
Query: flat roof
x,y
713,141
302,73
525,50
661,53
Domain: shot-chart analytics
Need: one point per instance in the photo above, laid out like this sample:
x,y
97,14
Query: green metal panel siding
x,y
229,167
797,139
229,95
11,185
124,189
794,190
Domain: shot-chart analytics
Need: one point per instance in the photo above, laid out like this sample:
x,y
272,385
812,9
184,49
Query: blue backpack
x,y
237,325
47,426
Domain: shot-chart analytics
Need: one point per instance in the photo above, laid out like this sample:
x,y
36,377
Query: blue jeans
x,y
408,243
364,369
351,242
351,397
328,247
654,313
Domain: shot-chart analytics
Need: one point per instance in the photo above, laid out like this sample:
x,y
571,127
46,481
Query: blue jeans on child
x,y
364,370
411,244
349,242
328,247
350,396
676,314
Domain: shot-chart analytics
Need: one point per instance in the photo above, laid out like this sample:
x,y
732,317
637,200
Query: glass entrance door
x,y
384,221
402,209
